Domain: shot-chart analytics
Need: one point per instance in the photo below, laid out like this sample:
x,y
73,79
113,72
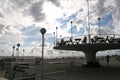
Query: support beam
x,y
90,50
91,59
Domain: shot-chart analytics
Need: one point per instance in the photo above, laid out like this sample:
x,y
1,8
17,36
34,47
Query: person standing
x,y
107,59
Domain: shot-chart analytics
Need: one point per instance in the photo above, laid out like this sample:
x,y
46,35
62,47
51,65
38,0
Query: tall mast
x,y
88,22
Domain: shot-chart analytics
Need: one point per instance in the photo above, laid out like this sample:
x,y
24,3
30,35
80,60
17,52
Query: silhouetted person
x,y
62,41
70,39
107,59
72,63
84,40
92,40
38,61
107,38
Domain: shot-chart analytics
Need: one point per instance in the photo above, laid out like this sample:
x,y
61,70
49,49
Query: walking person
x,y
107,59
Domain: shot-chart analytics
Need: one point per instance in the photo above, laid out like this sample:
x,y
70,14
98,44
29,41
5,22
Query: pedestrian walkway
x,y
1,78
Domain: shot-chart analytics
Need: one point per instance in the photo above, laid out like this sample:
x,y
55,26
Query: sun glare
x,y
52,12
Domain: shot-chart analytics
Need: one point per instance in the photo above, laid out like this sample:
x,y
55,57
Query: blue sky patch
x,y
105,20
74,30
65,21
32,30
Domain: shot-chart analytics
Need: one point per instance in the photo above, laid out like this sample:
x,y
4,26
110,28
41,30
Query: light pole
x,y
99,25
71,30
32,53
23,54
88,22
43,31
54,38
61,36
56,35
13,51
16,53
18,45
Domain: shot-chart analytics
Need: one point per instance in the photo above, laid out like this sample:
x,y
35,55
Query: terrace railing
x,y
94,38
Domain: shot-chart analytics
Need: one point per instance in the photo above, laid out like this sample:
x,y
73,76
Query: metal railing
x,y
81,38
46,76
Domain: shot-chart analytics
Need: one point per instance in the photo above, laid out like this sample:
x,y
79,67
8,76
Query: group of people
x,y
95,39
108,39
38,60
63,42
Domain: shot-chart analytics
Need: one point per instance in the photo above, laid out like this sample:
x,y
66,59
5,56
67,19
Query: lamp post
x,y
13,51
32,53
88,22
71,30
23,54
99,25
54,38
18,45
43,31
56,35
16,53
61,36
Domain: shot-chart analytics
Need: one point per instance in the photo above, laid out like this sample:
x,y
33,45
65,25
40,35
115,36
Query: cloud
x,y
20,20
1,15
35,43
55,2
5,50
36,11
21,3
1,29
117,3
116,10
100,6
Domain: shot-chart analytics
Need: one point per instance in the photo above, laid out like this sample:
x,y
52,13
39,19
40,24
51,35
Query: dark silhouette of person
x,y
62,42
107,59
84,40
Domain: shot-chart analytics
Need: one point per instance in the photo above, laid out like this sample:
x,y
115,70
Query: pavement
x,y
77,72
1,78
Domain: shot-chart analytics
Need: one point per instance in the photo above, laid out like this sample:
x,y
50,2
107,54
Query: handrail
x,y
40,75
91,35
84,39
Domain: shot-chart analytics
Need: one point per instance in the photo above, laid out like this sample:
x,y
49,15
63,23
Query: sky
x,y
21,21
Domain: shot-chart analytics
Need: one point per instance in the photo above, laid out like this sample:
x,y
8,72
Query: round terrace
x,y
89,47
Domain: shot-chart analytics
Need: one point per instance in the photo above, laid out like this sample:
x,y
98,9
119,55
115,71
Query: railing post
x,y
65,74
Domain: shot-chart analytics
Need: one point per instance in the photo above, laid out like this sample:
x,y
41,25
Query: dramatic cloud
x,y
21,20
56,2
1,29
101,9
36,11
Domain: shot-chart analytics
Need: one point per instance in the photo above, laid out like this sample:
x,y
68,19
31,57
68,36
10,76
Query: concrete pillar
x,y
91,59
